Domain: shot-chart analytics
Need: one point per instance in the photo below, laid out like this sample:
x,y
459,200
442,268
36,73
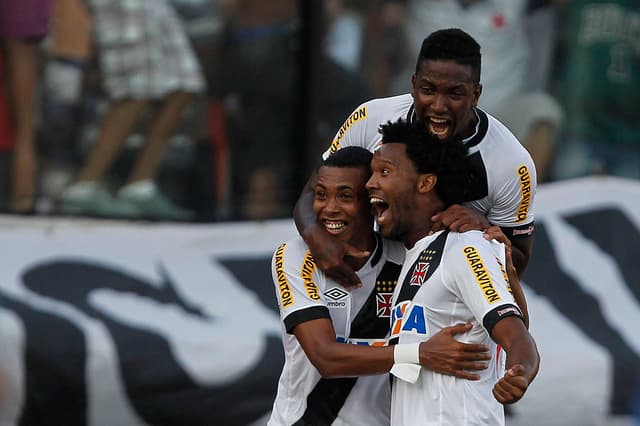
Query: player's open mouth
x,y
438,126
334,226
380,208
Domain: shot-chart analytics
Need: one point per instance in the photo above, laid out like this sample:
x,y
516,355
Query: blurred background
x,y
217,110
192,126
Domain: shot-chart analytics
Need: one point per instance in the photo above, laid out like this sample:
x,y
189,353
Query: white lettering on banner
x,y
195,341
210,302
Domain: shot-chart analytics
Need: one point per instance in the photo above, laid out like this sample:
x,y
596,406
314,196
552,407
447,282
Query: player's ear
x,y
426,182
413,86
477,91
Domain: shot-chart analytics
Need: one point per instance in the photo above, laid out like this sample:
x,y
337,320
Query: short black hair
x,y
451,44
350,156
430,155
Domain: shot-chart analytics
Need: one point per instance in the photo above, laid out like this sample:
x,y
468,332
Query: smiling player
x,y
331,335
445,90
447,278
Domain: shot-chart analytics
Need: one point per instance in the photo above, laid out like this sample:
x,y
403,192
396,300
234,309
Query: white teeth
x,y
334,226
439,120
376,200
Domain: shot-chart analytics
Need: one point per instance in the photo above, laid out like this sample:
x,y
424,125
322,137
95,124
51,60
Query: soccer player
x,y
447,277
331,335
445,90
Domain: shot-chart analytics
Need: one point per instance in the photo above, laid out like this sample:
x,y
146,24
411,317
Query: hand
x,y
444,354
458,218
329,253
495,233
512,386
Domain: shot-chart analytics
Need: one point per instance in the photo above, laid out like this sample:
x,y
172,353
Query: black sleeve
x,y
503,311
304,315
517,232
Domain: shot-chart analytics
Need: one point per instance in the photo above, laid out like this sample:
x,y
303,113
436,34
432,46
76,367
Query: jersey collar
x,y
377,253
481,128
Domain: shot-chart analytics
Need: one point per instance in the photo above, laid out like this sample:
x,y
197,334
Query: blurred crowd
x,y
216,110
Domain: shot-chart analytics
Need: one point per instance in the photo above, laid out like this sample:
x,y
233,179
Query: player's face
x,y
392,189
341,203
443,94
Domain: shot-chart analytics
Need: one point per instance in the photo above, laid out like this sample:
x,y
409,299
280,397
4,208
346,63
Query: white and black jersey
x,y
505,177
451,278
359,316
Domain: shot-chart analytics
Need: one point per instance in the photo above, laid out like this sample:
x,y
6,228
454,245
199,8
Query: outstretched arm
x,y
523,359
328,251
441,353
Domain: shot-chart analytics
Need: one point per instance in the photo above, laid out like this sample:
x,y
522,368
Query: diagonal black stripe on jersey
x,y
547,277
329,395
477,186
433,252
325,401
367,324
623,251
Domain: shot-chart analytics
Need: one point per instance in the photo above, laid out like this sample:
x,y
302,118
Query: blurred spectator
x,y
500,27
386,48
62,97
541,29
23,25
254,81
6,138
258,87
343,40
599,87
145,61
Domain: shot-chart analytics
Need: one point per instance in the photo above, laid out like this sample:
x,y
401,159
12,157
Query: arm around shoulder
x,y
332,359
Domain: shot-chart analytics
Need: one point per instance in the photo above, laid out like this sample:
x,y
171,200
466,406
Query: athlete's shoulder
x,y
458,243
380,110
391,108
403,101
460,239
471,249
361,127
290,252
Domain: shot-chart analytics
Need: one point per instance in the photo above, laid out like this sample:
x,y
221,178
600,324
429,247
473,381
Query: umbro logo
x,y
336,293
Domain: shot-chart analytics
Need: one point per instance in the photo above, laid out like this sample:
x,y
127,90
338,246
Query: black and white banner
x,y
108,324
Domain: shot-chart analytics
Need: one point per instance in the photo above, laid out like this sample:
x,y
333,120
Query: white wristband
x,y
407,353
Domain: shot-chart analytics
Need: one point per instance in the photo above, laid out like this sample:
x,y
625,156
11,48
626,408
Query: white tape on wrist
x,y
406,358
407,353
